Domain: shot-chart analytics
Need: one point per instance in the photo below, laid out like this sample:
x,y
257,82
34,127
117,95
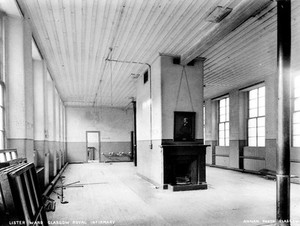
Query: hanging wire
x,y
178,92
99,90
109,55
100,80
188,86
111,83
97,113
101,103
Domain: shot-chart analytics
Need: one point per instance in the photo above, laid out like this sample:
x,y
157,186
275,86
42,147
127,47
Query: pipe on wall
x,y
150,83
134,133
54,181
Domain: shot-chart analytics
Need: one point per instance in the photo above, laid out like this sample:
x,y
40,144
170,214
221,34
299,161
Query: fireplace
x,y
184,166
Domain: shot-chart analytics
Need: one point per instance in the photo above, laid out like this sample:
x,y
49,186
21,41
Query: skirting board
x,y
187,187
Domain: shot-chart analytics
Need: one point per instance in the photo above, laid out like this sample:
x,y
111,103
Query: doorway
x,y
93,146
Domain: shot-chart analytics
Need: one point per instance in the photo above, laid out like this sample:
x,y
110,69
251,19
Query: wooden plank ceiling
x,y
76,36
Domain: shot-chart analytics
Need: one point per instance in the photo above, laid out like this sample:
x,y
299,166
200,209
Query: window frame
x,y
3,141
294,112
226,123
256,118
204,115
2,106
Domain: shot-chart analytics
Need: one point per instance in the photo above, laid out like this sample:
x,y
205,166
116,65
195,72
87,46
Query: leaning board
x,y
21,195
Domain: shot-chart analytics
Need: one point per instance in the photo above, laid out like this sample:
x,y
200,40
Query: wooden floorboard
x,y
112,194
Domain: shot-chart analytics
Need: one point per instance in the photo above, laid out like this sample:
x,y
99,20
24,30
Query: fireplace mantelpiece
x,y
184,160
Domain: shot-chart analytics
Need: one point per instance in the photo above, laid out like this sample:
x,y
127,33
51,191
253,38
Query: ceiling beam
x,y
245,10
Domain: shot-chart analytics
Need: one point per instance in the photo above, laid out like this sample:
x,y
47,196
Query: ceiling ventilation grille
x,y
218,14
134,76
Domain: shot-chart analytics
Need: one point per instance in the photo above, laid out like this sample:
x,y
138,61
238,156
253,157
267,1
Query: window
x,y
256,117
2,91
2,132
296,113
224,122
2,116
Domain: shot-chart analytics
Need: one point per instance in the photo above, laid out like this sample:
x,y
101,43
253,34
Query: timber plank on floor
x,y
112,194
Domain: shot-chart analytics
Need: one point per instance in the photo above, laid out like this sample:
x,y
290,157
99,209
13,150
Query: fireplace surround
x,y
184,166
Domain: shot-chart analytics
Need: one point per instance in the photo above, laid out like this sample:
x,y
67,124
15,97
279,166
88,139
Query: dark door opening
x,y
93,146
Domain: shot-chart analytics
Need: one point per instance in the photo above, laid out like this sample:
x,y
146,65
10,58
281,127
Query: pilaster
x,y
19,87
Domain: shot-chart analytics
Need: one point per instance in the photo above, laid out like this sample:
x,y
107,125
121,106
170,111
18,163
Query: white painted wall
x,y
171,74
19,81
61,121
165,78
57,109
39,89
114,124
46,119
156,100
50,108
143,102
29,104
64,124
15,78
149,160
